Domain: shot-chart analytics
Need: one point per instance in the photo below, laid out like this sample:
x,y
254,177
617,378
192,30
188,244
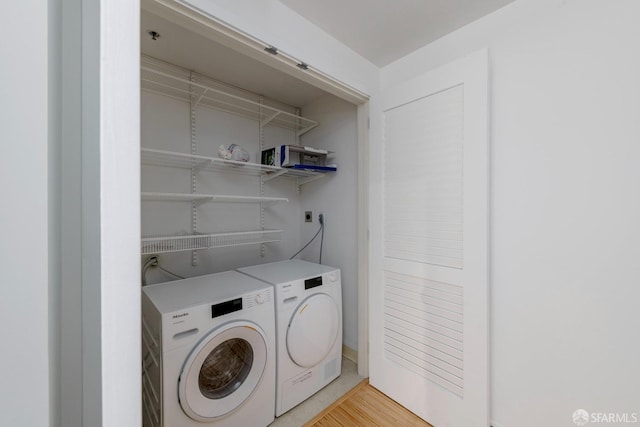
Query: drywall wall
x,y
335,196
24,218
564,203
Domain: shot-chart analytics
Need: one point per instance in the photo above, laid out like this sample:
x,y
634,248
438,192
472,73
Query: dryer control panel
x,y
296,290
313,283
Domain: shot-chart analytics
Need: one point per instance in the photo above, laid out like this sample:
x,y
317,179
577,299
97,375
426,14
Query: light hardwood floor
x,y
365,406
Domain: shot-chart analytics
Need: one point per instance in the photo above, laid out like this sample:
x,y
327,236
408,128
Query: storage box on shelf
x,y
294,157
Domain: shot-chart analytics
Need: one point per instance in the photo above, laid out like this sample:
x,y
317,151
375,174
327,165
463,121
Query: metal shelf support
x,y
192,120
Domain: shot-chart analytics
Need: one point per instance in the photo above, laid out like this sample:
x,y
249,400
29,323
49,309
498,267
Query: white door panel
x,y
429,292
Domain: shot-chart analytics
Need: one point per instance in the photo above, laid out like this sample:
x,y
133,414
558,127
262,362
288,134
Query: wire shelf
x,y
178,83
209,198
155,157
165,244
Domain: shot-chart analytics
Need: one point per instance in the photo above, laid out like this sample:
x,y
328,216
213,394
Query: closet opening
x,y
208,93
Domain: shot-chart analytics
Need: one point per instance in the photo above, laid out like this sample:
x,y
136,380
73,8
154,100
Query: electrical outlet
x,y
308,216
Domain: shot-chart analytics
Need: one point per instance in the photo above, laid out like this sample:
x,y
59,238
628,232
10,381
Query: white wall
x,y
564,203
24,217
335,195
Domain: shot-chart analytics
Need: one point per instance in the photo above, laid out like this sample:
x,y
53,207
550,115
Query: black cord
x,y
309,242
170,273
321,241
151,261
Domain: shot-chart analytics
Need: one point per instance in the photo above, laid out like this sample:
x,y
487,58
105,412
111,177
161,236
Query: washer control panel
x,y
226,307
258,298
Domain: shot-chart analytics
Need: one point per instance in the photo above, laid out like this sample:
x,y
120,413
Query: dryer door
x,y
222,371
312,330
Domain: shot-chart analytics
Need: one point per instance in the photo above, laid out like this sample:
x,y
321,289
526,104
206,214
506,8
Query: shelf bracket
x,y
200,202
267,178
303,181
197,101
305,130
268,119
202,165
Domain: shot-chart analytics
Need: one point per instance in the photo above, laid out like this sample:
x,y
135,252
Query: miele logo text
x,y
177,316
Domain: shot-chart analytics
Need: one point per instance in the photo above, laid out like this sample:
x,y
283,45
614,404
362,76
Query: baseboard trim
x,y
350,353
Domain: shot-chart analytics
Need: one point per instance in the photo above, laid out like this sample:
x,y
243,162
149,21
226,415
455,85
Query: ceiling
x,y
385,30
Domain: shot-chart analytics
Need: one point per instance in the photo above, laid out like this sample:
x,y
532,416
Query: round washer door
x,y
313,330
222,371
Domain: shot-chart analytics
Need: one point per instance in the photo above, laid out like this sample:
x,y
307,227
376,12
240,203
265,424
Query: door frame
x,y
100,214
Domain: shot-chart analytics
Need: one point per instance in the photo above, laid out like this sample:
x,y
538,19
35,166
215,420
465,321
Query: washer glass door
x,y
223,371
313,330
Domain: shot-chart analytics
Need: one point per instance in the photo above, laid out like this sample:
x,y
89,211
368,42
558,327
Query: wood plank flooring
x,y
364,406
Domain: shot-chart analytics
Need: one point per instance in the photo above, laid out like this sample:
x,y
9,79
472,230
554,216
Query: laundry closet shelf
x,y
209,198
165,244
189,86
150,156
187,161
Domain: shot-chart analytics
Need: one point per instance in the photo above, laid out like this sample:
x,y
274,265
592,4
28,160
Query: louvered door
x,y
429,293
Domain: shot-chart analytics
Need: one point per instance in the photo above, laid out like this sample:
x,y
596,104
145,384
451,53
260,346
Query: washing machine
x,y
208,352
308,301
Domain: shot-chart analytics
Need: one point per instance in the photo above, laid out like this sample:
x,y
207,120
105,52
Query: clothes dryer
x,y
308,300
208,352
